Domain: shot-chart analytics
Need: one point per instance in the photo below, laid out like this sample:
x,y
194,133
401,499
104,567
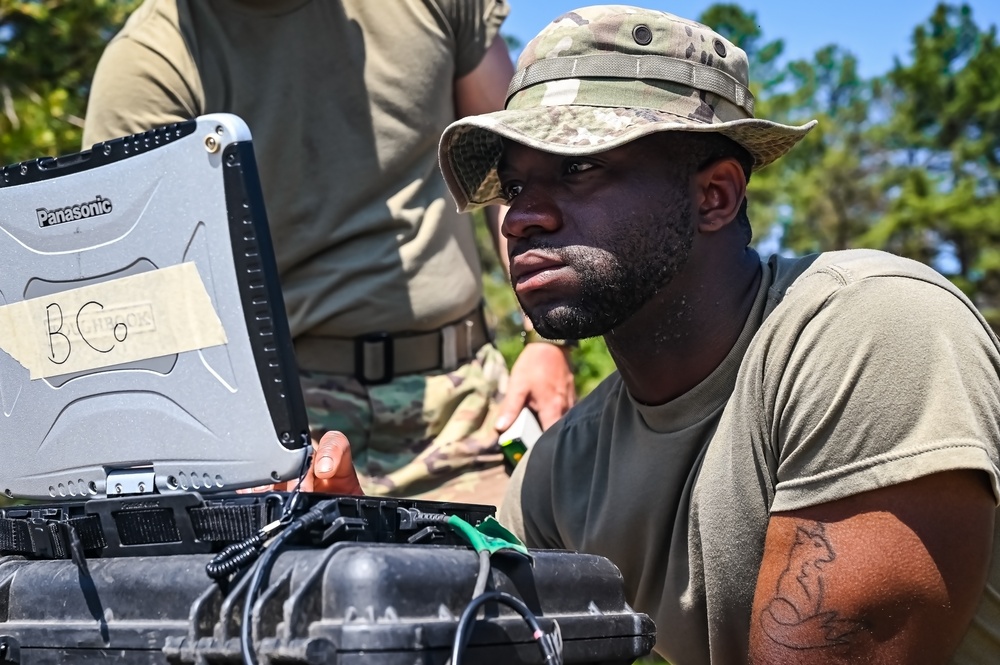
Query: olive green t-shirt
x,y
855,370
346,100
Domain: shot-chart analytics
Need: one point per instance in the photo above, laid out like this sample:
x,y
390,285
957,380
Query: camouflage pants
x,y
427,436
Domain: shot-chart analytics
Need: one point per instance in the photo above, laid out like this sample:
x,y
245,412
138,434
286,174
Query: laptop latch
x,y
122,482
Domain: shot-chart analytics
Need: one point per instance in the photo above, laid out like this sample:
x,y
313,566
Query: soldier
x,y
797,459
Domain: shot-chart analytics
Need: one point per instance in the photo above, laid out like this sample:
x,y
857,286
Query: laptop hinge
x,y
130,481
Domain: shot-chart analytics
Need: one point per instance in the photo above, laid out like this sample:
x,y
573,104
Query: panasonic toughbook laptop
x,y
143,340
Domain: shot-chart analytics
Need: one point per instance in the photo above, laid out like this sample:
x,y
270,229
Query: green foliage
x,y
743,29
48,52
943,133
908,162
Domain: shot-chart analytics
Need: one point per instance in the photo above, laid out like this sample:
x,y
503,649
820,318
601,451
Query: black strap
x,y
227,523
49,538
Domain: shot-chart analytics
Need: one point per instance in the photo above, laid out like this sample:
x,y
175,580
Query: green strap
x,y
490,536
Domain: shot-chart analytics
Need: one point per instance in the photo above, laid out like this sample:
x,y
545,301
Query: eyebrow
x,y
502,168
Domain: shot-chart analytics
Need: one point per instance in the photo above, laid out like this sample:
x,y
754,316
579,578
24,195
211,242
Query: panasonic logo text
x,y
73,213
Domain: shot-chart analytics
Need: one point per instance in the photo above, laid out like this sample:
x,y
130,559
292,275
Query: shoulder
x,y
872,370
472,24
859,283
854,266
155,24
146,76
151,45
459,8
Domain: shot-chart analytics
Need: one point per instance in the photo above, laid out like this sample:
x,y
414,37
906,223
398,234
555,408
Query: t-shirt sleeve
x,y
474,24
527,507
892,379
141,84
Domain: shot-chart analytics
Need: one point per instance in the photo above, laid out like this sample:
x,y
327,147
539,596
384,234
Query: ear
x,y
720,189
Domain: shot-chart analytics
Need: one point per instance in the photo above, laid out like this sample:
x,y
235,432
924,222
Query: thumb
x,y
332,469
333,456
516,399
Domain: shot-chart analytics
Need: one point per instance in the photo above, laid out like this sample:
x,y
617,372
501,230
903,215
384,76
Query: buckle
x,y
43,540
373,358
453,352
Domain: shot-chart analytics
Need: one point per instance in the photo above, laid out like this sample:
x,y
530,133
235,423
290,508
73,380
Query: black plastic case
x,y
349,604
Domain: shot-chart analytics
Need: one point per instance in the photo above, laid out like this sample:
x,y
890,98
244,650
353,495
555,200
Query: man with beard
x,y
797,459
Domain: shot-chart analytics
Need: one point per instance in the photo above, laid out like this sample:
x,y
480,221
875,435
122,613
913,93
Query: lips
x,y
533,270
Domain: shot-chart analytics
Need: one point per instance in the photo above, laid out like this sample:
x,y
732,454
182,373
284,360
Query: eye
x,y
510,190
577,166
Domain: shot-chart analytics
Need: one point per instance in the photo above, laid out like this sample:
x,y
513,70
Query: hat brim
x,y
470,147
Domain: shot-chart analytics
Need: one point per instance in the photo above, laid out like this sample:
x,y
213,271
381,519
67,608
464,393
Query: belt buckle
x,y
373,358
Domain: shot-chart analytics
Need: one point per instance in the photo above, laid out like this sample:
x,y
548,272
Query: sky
x,y
875,31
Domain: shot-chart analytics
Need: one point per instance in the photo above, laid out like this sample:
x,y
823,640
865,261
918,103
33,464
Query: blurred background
x,y
906,157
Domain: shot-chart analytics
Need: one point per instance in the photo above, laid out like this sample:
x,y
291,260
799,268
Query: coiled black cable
x,y
235,557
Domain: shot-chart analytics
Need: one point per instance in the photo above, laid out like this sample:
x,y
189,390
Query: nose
x,y
531,213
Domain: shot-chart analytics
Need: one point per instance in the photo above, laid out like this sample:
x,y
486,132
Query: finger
x,y
548,416
332,471
516,399
333,456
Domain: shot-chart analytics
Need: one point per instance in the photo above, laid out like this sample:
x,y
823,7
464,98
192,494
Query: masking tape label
x,y
152,314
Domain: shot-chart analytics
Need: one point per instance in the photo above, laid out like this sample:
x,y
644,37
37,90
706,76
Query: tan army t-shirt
x,y
869,370
366,237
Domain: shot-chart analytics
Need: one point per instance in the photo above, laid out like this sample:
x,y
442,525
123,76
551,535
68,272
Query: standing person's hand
x,y
541,380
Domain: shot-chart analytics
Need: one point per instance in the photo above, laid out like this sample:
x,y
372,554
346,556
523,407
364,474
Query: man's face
x,y
592,239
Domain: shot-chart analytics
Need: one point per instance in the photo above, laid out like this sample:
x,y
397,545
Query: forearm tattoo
x,y
796,617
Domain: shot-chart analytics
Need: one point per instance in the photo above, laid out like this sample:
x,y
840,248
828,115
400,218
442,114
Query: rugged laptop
x,y
143,341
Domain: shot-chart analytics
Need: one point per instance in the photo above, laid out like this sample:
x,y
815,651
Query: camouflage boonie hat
x,y
599,77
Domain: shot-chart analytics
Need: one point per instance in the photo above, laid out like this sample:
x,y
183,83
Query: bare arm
x,y
484,89
888,576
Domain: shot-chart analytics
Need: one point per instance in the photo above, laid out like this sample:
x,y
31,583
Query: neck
x,y
684,332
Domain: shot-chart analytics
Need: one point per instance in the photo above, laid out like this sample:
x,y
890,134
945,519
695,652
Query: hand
x,y
541,380
332,469
330,472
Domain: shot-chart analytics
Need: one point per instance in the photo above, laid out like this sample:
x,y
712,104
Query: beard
x,y
616,281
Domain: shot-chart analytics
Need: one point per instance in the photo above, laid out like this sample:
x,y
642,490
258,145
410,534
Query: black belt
x,y
378,357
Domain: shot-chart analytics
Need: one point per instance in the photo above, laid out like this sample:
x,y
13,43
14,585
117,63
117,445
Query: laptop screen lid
x,y
143,339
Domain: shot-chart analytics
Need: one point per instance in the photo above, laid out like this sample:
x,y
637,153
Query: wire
x,y
237,556
262,568
483,577
550,645
314,516
234,557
